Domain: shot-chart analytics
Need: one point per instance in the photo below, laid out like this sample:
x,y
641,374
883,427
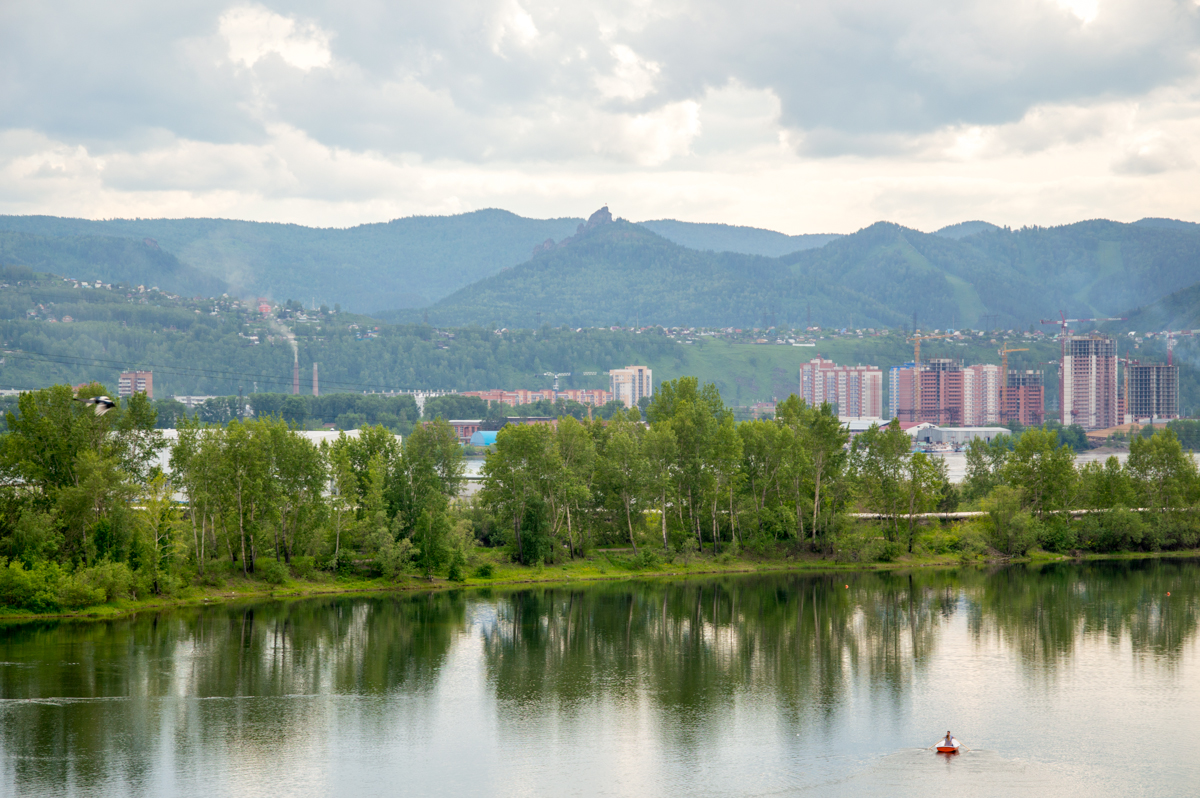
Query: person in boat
x,y
949,742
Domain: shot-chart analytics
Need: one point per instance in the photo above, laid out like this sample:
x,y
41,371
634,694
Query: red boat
x,y
947,749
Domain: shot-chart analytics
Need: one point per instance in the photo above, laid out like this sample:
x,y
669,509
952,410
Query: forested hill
x,y
620,274
108,259
404,263
735,238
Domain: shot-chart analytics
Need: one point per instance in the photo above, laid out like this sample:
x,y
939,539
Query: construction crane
x,y
1004,350
555,377
1171,335
917,338
1063,333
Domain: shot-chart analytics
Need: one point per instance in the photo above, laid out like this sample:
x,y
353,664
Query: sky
x,y
803,117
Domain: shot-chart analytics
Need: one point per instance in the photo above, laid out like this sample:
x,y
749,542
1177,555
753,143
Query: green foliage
x,y
403,263
875,276
34,589
271,571
1012,529
113,579
457,570
485,571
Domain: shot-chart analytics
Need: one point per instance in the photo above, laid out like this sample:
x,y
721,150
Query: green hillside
x,y
216,346
403,263
623,274
733,238
108,259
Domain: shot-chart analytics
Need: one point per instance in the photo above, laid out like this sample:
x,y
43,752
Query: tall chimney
x,y
296,379
315,380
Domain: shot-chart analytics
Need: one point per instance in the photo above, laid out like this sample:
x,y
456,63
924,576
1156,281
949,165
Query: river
x,y
1071,680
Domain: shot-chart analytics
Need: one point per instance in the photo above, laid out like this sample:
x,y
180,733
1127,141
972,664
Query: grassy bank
x,y
492,568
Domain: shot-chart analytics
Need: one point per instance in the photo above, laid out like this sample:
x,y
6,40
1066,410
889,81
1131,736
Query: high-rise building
x,y
944,392
630,384
131,382
1153,391
981,394
1025,397
1088,394
855,391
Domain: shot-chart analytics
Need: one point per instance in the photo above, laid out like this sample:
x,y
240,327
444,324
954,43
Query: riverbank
x,y
609,565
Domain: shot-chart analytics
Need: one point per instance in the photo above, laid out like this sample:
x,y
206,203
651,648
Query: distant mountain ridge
x,y
962,274
109,259
621,274
408,262
734,238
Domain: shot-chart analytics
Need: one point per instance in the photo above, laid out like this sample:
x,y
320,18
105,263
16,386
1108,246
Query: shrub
x,y
272,571
303,567
458,564
113,578
485,571
73,593
1056,534
34,589
646,559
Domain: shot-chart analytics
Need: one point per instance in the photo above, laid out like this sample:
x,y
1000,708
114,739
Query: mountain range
x,y
882,275
494,267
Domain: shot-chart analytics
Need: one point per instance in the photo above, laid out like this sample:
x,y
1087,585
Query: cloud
x,y
254,32
821,115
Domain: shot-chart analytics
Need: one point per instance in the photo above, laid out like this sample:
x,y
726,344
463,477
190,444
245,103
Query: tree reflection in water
x,y
235,687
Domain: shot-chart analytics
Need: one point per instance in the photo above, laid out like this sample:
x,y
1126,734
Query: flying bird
x,y
102,403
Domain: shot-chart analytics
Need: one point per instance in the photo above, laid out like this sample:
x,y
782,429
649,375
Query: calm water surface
x,y
1076,680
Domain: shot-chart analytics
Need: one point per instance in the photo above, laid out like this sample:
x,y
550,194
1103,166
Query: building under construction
x,y
944,392
1153,391
1088,394
1025,397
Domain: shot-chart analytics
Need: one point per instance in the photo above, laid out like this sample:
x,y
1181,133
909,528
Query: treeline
x,y
693,479
87,514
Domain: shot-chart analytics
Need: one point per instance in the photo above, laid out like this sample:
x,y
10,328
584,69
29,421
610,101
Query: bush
x,y
646,559
272,571
73,593
458,564
113,578
303,567
886,551
34,589
1057,534
485,571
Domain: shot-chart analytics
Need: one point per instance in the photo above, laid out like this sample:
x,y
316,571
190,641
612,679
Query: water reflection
x,y
766,673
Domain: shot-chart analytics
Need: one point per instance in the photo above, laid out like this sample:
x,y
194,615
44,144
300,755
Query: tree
x,y
517,474
825,440
572,486
1010,527
878,459
343,492
623,470
1043,472
985,465
923,479
1162,474
661,452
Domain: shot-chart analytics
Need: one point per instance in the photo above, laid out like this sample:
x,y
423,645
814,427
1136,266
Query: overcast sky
x,y
804,117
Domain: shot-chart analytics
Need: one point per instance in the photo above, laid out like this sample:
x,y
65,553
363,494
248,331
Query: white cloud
x,y
513,23
1086,10
816,116
632,77
254,32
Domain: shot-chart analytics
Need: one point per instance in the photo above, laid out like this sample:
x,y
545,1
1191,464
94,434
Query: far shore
x,y
597,567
